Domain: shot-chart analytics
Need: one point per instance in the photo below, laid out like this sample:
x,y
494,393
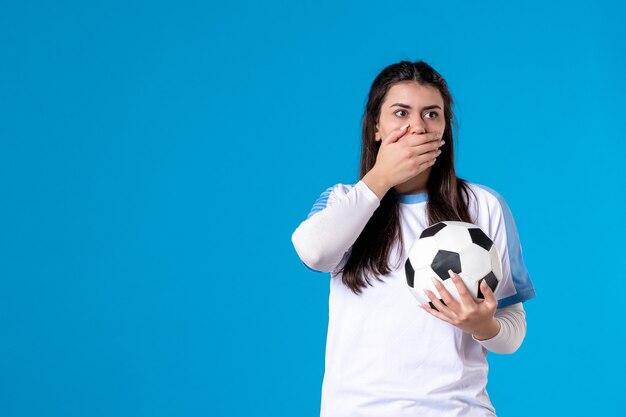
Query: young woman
x,y
387,355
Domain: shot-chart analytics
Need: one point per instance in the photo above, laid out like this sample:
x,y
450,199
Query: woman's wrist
x,y
376,183
490,330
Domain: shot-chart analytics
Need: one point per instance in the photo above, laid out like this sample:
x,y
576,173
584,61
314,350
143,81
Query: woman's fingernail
x,y
404,127
451,273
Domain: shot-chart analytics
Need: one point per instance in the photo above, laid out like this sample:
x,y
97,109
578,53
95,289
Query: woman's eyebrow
x,y
406,106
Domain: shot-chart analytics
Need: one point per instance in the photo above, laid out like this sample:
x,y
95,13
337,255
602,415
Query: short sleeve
x,y
517,285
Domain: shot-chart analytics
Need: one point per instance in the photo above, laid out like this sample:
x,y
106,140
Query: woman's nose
x,y
417,127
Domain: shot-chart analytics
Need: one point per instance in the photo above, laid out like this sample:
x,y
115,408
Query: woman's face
x,y
421,106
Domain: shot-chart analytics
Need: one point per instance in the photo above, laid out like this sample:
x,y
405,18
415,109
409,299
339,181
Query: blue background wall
x,y
155,158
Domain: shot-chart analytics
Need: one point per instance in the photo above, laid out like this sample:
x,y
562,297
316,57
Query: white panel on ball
x,y
472,262
423,281
454,239
423,253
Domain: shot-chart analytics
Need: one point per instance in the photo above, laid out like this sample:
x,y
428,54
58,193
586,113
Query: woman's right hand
x,y
402,157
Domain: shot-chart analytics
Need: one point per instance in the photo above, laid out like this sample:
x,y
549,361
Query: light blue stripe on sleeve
x,y
521,280
321,202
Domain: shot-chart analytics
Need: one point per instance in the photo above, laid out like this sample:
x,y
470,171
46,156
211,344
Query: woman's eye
x,y
434,113
400,111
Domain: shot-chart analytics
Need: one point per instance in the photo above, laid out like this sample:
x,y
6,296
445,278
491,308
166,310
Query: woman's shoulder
x,y
337,189
329,195
485,194
343,188
482,189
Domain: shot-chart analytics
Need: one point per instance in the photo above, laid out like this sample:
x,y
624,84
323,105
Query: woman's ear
x,y
376,137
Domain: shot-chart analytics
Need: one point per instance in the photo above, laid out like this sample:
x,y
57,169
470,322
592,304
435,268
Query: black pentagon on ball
x,y
410,272
492,282
432,230
445,260
480,238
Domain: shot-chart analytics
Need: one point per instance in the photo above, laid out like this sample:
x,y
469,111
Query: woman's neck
x,y
417,184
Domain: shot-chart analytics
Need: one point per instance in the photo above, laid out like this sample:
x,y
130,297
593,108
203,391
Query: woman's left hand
x,y
476,318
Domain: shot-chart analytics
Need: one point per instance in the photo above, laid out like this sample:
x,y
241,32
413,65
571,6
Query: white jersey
x,y
385,356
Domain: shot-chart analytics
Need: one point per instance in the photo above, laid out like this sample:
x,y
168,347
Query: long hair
x,y
448,195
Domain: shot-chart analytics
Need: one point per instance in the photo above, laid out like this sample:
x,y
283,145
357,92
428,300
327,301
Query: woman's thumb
x,y
396,134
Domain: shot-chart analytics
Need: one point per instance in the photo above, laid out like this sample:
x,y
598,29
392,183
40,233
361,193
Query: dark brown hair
x,y
448,195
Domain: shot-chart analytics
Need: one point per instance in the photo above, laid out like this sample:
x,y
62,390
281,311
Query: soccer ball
x,y
462,247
